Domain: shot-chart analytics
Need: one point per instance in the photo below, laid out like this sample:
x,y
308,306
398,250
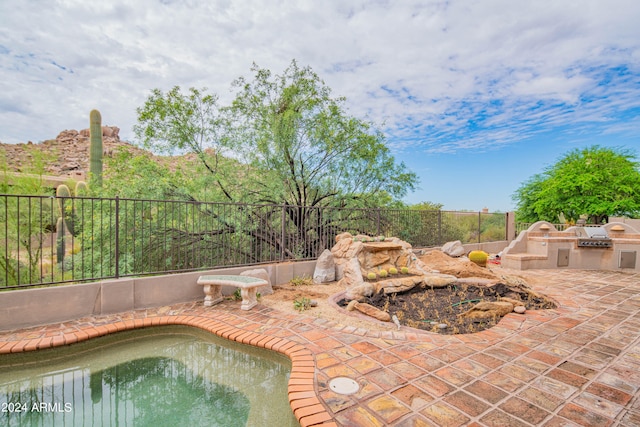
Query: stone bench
x,y
248,285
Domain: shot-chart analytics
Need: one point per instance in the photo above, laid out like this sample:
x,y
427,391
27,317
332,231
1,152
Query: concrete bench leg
x,y
249,298
213,295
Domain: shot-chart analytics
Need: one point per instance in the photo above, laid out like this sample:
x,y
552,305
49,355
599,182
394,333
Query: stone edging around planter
x,y
333,302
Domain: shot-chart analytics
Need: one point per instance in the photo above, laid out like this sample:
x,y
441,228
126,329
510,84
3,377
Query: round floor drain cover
x,y
344,385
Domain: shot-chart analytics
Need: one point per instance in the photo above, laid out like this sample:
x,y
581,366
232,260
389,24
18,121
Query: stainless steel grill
x,y
593,237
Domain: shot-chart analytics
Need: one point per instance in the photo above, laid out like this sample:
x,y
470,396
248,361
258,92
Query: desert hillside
x,y
67,155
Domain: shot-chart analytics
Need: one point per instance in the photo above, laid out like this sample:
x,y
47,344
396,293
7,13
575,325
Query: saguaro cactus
x,y
60,241
67,209
62,190
95,148
82,190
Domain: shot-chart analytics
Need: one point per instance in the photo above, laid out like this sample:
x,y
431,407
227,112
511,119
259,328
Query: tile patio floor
x,y
577,365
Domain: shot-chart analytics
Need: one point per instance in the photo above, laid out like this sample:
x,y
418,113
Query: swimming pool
x,y
170,375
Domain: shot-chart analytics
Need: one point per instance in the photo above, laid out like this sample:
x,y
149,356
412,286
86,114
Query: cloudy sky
x,y
474,96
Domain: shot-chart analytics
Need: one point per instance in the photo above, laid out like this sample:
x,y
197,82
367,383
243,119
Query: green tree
x,y
177,123
316,154
310,153
27,221
427,206
139,175
284,141
595,181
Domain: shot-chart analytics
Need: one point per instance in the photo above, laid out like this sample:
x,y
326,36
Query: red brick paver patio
x,y
577,365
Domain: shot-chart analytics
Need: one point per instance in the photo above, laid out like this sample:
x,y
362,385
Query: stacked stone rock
x,y
357,256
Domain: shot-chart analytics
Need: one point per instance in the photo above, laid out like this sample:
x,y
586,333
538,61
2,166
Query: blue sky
x,y
474,96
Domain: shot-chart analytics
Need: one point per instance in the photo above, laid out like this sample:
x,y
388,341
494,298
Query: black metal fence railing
x,y
50,240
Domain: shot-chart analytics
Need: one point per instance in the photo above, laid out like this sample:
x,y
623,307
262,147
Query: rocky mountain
x,y
67,155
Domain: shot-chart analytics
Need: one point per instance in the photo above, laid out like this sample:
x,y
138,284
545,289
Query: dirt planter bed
x,y
442,310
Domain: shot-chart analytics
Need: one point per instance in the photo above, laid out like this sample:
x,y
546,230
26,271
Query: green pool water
x,y
164,376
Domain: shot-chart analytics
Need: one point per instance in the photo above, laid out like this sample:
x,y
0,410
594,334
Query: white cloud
x,y
442,76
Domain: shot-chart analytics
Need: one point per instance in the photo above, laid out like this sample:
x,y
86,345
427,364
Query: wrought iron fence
x,y
49,240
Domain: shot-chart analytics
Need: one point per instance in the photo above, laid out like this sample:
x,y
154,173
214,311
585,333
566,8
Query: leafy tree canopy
x,y
595,181
427,206
283,139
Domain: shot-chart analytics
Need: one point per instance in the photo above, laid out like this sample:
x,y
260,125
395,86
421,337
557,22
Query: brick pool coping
x,y
302,397
575,365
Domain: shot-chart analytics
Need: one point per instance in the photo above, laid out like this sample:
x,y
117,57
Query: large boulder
x,y
436,280
345,249
459,267
325,271
360,291
370,310
488,310
357,257
401,284
351,274
352,280
453,249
